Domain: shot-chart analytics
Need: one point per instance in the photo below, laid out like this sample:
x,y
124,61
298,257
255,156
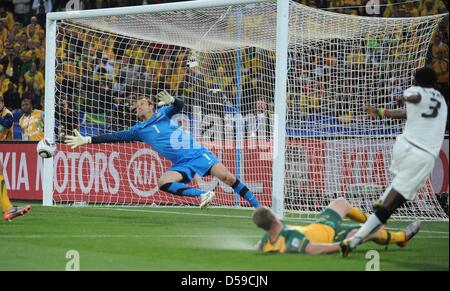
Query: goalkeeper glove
x,y
77,139
164,98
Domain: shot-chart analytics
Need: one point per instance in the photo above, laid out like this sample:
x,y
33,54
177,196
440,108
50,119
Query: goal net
x,y
221,59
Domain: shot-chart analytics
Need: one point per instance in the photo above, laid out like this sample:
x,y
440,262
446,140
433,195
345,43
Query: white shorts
x,y
412,166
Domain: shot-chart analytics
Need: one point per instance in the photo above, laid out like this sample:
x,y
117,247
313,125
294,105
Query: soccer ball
x,y
46,148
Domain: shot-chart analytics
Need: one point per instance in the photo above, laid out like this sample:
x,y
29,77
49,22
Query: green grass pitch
x,y
156,238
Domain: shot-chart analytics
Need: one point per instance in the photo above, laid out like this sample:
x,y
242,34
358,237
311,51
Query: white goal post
x,y
274,88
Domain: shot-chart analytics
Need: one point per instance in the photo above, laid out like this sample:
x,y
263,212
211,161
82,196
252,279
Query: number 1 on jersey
x,y
207,157
156,128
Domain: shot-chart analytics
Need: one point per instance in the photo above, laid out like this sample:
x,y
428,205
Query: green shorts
x,y
332,219
329,217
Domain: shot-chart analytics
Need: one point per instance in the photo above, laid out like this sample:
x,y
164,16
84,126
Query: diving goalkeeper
x,y
164,136
325,234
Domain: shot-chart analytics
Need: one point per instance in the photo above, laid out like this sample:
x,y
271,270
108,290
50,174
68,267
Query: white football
x,y
46,148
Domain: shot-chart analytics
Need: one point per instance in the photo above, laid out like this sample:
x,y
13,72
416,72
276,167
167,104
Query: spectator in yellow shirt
x,y
4,81
429,8
392,11
2,50
3,32
438,46
8,16
34,75
41,38
32,29
39,52
440,66
6,122
412,10
31,122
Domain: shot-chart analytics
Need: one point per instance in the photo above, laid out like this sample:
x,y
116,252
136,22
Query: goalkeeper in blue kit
x,y
167,138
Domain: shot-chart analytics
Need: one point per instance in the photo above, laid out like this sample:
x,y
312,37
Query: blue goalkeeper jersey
x,y
164,135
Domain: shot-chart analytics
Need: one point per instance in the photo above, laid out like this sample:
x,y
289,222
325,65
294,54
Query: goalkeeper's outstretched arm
x,y
119,136
77,139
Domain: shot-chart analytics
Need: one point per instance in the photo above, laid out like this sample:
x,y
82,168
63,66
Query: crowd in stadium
x,y
22,62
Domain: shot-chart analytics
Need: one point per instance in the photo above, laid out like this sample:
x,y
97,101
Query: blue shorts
x,y
199,165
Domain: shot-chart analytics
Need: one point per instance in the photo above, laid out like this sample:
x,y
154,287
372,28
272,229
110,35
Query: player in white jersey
x,y
415,150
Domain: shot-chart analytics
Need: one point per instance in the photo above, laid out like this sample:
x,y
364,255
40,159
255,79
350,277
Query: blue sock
x,y
241,189
181,189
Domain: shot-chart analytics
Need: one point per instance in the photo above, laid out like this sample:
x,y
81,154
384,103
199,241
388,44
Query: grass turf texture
x,y
184,239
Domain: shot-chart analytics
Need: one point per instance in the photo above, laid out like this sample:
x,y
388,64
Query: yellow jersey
x,y
32,125
316,232
289,240
37,78
5,133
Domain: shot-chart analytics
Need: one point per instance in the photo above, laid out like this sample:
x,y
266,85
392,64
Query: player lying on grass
x,y
325,234
163,134
415,150
9,211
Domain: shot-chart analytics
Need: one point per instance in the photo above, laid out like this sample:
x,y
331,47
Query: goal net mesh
x,y
221,61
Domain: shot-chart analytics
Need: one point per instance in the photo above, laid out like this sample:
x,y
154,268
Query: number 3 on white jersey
x,y
434,109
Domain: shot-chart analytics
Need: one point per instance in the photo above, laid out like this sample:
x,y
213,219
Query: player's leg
x,y
328,222
393,201
380,200
340,206
384,236
173,181
4,199
401,238
345,209
332,218
170,182
221,172
412,167
410,231
9,211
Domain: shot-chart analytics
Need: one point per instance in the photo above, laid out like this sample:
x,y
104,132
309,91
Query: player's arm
x,y
321,248
408,96
296,242
175,105
384,113
7,121
77,139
